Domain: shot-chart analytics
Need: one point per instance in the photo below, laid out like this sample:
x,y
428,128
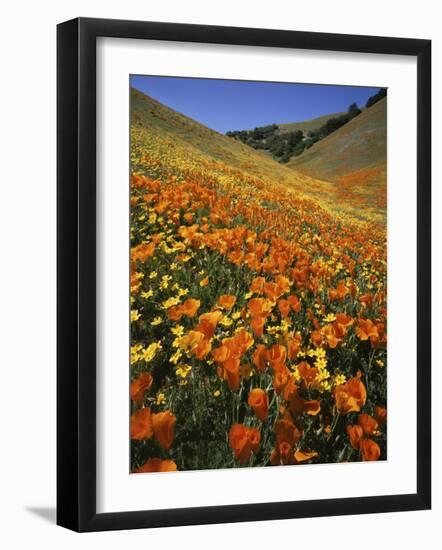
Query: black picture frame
x,y
76,274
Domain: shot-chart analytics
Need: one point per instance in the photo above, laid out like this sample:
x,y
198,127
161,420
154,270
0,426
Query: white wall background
x,y
27,275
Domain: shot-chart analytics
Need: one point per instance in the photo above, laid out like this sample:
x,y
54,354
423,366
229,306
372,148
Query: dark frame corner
x,y
76,255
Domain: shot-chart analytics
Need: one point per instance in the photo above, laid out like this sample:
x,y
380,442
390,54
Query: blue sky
x,y
239,105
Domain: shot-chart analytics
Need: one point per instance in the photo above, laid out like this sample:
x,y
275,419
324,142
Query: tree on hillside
x,y
376,97
353,111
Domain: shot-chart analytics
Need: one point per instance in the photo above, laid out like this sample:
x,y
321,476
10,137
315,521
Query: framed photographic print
x,y
243,274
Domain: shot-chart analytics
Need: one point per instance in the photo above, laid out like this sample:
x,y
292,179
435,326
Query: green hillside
x,y
307,125
360,145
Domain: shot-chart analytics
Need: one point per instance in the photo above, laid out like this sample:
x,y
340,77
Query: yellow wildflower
x,y
339,380
183,370
330,318
134,315
170,302
161,398
149,353
178,330
176,356
321,363
226,322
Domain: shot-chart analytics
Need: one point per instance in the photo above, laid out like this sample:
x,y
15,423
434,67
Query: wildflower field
x,y
258,312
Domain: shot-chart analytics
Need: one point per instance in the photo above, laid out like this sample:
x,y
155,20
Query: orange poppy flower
x,y
367,423
280,379
164,428
300,276
141,426
244,340
343,319
208,323
140,387
243,441
276,356
366,329
190,307
339,293
330,337
297,404
307,373
355,434
259,357
286,431
293,346
221,354
351,396
259,402
287,436
370,450
157,465
255,438
311,406
202,349
236,257
272,291
316,337
284,307
191,340
257,325
175,313
142,251
231,373
366,300
257,285
304,456
285,453
259,307
226,301
380,414
283,283
295,304
212,317
196,343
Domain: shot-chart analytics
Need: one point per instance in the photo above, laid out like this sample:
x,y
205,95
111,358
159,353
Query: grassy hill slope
x,y
198,140
358,146
307,125
159,132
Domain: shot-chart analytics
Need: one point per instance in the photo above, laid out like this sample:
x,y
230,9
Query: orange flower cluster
x,y
358,435
258,318
351,396
244,441
228,357
144,425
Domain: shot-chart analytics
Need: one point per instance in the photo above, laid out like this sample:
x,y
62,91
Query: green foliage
x,y
376,97
284,145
